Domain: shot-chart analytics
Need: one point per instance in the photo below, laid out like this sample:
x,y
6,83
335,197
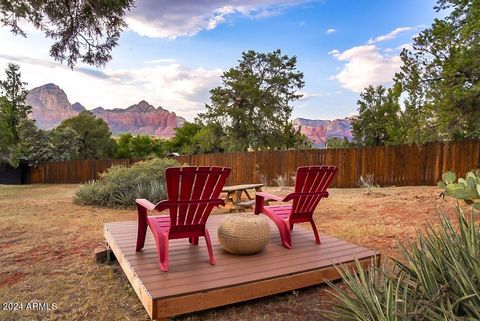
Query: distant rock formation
x,y
318,131
141,118
50,106
78,107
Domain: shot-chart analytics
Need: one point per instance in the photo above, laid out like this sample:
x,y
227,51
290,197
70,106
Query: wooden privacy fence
x,y
73,172
401,165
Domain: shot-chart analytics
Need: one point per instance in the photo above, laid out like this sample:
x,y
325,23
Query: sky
x,y
174,52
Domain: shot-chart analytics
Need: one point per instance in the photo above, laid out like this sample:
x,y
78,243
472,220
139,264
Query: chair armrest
x,y
145,204
267,196
219,202
297,195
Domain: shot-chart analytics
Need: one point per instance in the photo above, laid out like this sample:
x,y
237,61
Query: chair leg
x,y
209,247
193,240
142,228
259,204
162,250
284,228
315,231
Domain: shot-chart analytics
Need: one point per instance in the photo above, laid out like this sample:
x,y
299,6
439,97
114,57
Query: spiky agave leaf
x,y
372,295
439,279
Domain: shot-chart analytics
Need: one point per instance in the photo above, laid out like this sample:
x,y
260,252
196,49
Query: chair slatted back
x,y
310,181
193,192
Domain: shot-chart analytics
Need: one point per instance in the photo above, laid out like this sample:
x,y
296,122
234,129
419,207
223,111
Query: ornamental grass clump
x,y
119,186
438,278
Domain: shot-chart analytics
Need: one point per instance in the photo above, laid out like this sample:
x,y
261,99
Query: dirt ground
x,y
46,245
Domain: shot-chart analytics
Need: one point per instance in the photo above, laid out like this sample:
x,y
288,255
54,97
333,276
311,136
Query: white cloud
x,y
369,64
334,52
161,82
309,95
171,19
160,61
391,35
331,30
365,65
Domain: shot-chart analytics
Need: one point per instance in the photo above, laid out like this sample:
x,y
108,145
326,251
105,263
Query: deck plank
x,y
192,284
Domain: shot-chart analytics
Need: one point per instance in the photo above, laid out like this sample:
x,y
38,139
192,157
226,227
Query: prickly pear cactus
x,y
467,189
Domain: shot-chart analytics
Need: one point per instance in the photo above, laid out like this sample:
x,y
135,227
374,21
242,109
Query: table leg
x,y
238,199
229,199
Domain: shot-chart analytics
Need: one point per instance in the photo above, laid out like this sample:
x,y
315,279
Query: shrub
x,y
120,185
439,281
281,181
367,182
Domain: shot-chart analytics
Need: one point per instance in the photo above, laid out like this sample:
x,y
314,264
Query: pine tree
x,y
13,107
253,105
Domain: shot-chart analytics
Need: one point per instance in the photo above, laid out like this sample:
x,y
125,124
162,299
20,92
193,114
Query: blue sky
x,y
174,52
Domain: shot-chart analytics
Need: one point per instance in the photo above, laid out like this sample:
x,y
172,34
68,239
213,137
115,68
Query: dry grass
x,y
46,245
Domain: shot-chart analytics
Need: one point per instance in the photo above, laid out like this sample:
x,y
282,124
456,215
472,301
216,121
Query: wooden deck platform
x,y
192,284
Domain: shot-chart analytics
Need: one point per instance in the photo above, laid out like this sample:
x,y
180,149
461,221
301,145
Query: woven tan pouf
x,y
244,233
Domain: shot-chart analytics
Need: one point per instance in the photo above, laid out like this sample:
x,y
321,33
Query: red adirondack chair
x,y
310,187
192,192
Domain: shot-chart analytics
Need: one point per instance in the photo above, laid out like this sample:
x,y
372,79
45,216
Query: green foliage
x,y
378,121
196,138
183,138
120,185
207,140
6,137
65,143
13,111
14,93
335,142
35,145
81,30
439,83
13,107
292,139
467,189
446,269
91,193
94,136
153,191
38,145
140,146
441,75
373,295
253,105
20,139
439,281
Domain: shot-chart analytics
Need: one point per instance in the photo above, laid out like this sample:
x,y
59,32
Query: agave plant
x,y
373,295
153,191
440,279
445,265
467,189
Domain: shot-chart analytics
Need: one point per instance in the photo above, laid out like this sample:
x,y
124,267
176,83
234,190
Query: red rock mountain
x,y
318,131
50,106
141,118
